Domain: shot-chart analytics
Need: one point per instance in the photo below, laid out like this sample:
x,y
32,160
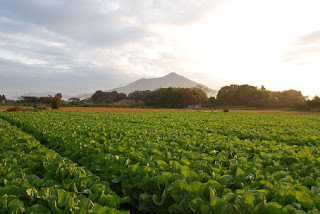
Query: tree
x,y
139,95
173,97
200,96
28,99
244,95
226,95
288,98
239,95
107,97
56,101
314,103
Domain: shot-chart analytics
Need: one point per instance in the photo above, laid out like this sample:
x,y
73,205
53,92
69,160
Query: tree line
x,y
228,96
232,96
251,96
54,102
163,97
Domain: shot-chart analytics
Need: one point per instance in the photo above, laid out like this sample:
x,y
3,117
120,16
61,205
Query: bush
x,y
225,110
18,108
56,101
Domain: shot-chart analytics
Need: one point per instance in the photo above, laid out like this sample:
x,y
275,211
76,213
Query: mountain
x,y
38,94
170,80
49,93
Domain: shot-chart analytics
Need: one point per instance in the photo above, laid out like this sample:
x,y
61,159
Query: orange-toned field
x,y
119,110
136,110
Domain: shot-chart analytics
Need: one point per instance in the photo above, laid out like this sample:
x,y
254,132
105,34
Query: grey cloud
x,y
298,53
312,38
96,22
306,45
168,11
86,44
21,78
76,19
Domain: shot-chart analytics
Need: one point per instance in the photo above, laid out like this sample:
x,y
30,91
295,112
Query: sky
x,y
80,46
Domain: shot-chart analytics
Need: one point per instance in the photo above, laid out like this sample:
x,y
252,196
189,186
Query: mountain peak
x,y
170,80
172,74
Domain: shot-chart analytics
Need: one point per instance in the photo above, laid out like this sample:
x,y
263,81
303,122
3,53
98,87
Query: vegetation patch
x,y
191,162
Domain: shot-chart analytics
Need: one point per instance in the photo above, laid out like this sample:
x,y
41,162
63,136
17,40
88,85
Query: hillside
x,y
170,80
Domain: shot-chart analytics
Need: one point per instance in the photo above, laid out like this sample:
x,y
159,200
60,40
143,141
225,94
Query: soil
x,y
137,110
119,110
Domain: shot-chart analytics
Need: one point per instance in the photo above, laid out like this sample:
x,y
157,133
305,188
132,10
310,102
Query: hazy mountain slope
x,y
170,80
49,93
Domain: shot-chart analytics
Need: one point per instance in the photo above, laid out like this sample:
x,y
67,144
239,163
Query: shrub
x,y
17,108
56,101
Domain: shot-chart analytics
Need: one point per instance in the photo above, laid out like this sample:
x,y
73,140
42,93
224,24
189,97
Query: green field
x,y
183,162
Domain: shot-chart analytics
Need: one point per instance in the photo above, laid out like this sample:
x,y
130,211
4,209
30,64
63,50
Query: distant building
x,y
10,102
86,102
73,100
125,101
3,99
195,106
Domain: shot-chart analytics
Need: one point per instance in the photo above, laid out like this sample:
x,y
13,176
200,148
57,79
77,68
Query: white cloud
x,y
92,44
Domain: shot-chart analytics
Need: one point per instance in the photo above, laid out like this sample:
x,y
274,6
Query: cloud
x,y
102,23
312,38
40,78
85,45
306,49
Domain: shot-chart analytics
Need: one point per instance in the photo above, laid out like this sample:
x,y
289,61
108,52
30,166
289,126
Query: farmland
x,y
159,162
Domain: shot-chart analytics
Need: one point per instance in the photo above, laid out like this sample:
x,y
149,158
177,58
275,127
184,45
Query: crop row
x,y
192,162
35,179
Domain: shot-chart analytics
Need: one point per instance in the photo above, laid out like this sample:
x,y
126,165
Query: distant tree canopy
x,y
251,96
174,97
36,100
163,97
56,101
139,95
107,97
314,103
243,95
232,95
288,98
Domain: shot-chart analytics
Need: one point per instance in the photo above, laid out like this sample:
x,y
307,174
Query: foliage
x,y
314,103
139,95
35,179
163,97
289,98
194,162
35,100
172,97
56,101
233,95
107,97
17,108
251,96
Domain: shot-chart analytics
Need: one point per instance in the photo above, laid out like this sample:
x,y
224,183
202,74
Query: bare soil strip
x,y
140,110
118,110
